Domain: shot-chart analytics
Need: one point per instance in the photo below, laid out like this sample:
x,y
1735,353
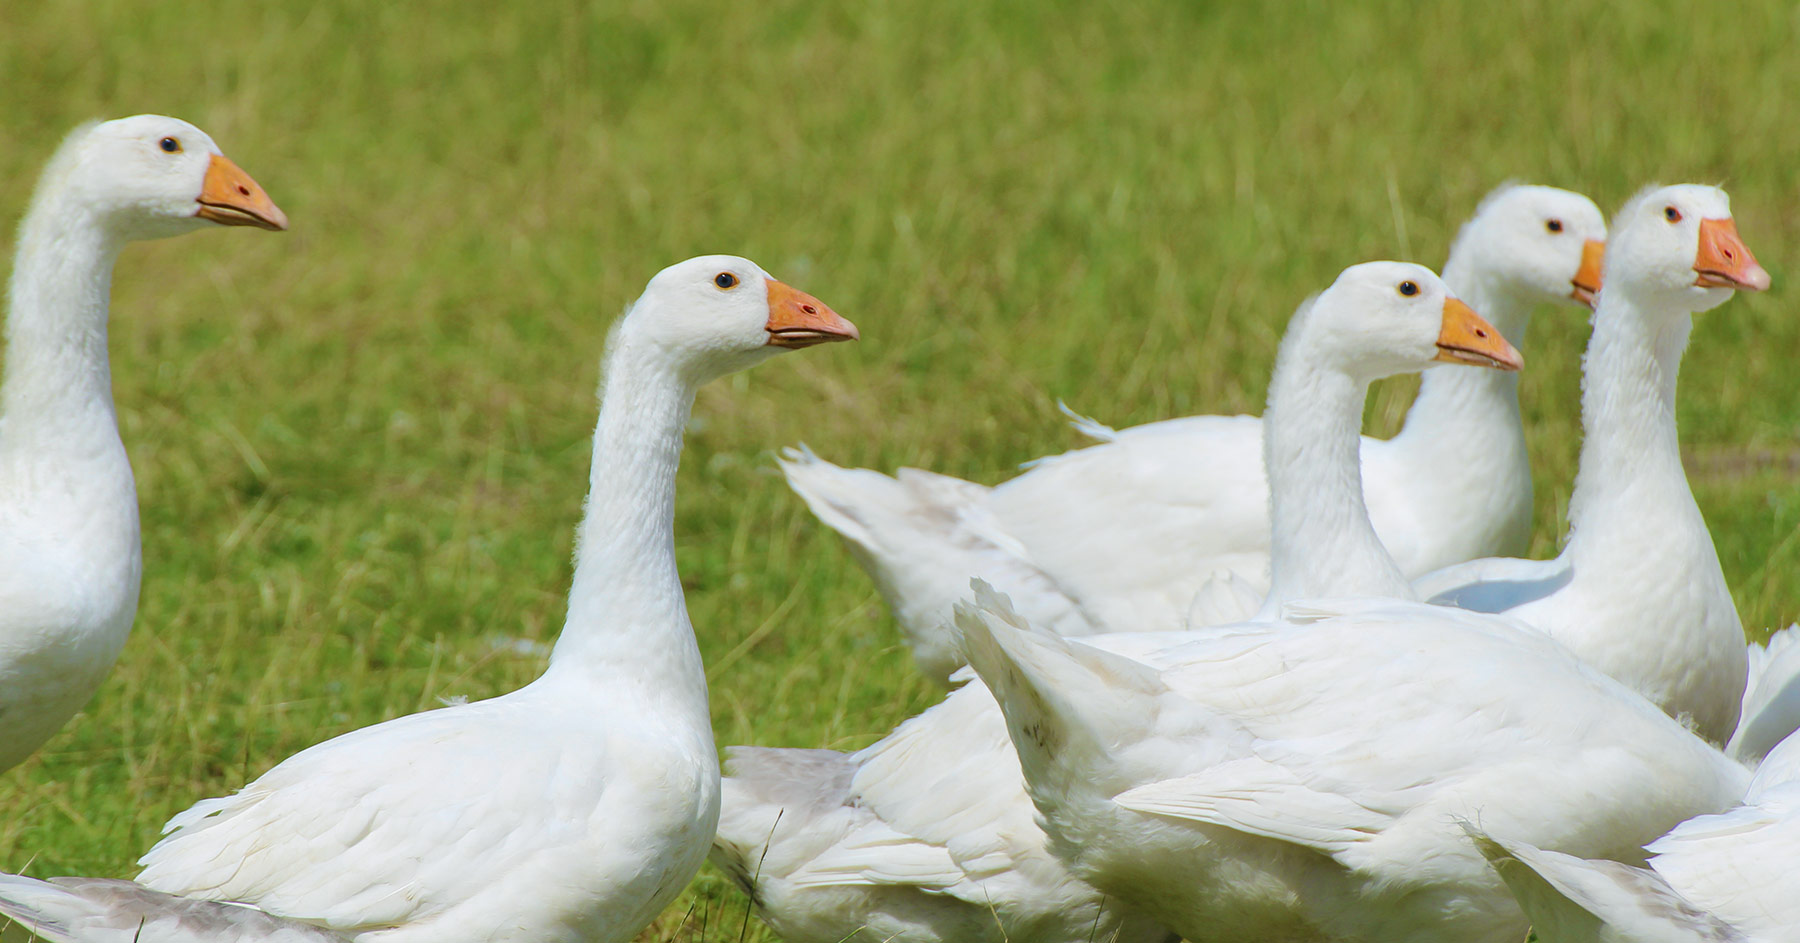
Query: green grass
x,y
361,446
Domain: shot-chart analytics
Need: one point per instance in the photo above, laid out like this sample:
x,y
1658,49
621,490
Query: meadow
x,y
361,446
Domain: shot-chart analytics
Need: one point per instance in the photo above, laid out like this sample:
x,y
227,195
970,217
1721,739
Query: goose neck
x,y
1321,540
1629,440
627,621
57,393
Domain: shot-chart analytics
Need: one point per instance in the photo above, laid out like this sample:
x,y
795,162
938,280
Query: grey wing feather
x,y
100,910
809,780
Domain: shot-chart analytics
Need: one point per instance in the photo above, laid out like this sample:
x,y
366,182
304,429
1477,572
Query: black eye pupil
x,y
1555,225
1408,288
1672,213
725,280
171,145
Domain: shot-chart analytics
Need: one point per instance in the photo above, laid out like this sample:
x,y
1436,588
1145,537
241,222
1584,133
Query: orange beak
x,y
1587,278
797,319
230,198
1723,260
1467,338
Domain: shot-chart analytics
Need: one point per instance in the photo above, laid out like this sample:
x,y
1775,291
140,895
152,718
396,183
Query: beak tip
x,y
1509,359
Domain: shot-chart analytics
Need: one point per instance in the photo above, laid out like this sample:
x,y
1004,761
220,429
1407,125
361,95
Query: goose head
x,y
1679,248
1540,243
1383,318
150,176
717,314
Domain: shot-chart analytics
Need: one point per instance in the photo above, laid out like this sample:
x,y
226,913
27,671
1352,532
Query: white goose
x,y
572,809
1637,591
928,836
69,553
1725,878
1122,535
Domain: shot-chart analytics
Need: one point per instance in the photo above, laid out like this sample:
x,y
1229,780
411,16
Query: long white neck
x,y
628,624
57,394
1630,452
1469,415
1321,541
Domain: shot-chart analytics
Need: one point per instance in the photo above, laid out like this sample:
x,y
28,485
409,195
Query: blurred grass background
x,y
361,446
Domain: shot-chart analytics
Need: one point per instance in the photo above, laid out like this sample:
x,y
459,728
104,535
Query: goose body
x,y
928,835
70,558
1123,535
1303,778
1638,591
572,809
1723,878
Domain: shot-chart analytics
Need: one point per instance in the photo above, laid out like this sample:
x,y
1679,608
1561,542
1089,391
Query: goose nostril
x,y
1480,333
809,309
243,190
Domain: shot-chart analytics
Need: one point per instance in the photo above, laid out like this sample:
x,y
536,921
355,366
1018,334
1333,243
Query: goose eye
x,y
725,280
1671,214
171,145
1554,225
1409,288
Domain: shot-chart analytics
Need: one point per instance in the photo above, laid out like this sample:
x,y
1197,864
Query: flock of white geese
x,y
1235,679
